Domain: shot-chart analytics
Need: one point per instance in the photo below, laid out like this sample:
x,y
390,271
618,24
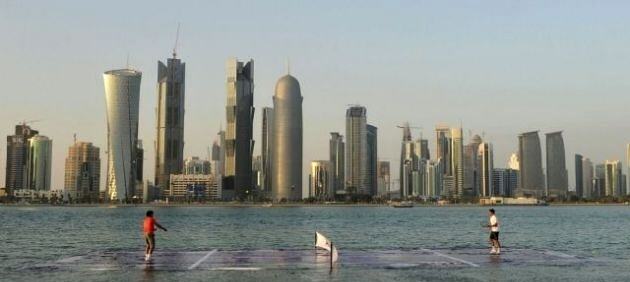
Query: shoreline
x,y
296,205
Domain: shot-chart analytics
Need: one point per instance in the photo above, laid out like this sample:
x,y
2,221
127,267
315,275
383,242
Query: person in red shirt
x,y
149,234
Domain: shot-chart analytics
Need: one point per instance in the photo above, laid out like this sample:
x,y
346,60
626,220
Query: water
x,y
32,236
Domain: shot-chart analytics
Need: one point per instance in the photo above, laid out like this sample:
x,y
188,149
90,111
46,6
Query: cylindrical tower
x,y
39,162
287,140
122,95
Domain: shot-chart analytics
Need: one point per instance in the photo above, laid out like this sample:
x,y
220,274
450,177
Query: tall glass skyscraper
x,y
356,151
372,159
579,176
486,167
122,96
531,180
557,179
287,131
239,142
39,163
171,90
337,162
82,178
17,150
266,148
319,180
457,161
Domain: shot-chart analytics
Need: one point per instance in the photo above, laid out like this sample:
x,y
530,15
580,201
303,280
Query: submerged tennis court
x,y
259,260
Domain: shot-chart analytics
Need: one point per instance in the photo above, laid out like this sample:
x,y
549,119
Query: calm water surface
x,y
37,235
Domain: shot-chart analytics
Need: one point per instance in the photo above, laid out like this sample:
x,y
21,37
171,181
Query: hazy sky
x,y
499,67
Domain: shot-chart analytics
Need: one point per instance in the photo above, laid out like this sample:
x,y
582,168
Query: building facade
x,y
486,168
372,159
17,150
169,145
194,188
384,178
122,96
337,162
613,179
195,165
457,162
82,178
39,163
286,177
504,181
319,181
266,149
557,179
239,142
531,179
356,151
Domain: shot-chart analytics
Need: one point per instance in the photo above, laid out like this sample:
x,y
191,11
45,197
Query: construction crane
x,y
407,130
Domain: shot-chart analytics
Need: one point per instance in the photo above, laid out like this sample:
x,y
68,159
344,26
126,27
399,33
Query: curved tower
x,y
286,157
122,95
39,163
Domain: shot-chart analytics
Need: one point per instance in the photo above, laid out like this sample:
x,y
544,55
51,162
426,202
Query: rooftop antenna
x,y
127,60
176,40
288,65
75,138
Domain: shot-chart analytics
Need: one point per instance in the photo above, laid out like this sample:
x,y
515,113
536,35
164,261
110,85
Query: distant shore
x,y
292,205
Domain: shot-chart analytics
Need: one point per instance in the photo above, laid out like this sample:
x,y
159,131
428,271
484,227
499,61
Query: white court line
x,y
559,254
202,259
451,258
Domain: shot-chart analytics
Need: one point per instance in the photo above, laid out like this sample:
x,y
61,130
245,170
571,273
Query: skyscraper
x,y
408,162
614,179
579,176
372,159
171,92
17,149
471,167
319,180
486,168
266,148
599,181
82,178
531,181
356,151
443,147
587,179
457,161
384,178
286,177
122,95
504,181
39,163
557,180
239,143
337,163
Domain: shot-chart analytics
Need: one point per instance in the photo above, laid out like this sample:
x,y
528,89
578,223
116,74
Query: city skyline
x,y
591,127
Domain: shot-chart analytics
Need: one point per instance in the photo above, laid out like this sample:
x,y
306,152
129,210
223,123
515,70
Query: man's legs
x,y
152,243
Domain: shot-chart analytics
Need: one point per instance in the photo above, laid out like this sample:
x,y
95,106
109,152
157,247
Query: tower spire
x,y
288,66
176,41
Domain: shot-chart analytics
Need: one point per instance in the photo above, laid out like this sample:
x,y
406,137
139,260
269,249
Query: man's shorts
x,y
494,235
150,239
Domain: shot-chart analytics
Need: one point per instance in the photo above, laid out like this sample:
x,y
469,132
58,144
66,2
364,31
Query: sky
x,y
498,68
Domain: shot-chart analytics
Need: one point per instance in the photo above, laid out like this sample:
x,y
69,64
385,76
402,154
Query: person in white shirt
x,y
494,232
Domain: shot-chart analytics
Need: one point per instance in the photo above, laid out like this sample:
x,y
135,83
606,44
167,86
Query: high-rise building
x,y
139,173
17,149
457,162
356,151
557,179
337,162
122,95
408,162
82,178
319,180
531,179
286,177
471,167
372,159
486,168
614,179
443,147
195,165
239,142
169,145
587,179
38,165
257,177
433,179
579,176
384,178
504,181
220,161
266,149
599,181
